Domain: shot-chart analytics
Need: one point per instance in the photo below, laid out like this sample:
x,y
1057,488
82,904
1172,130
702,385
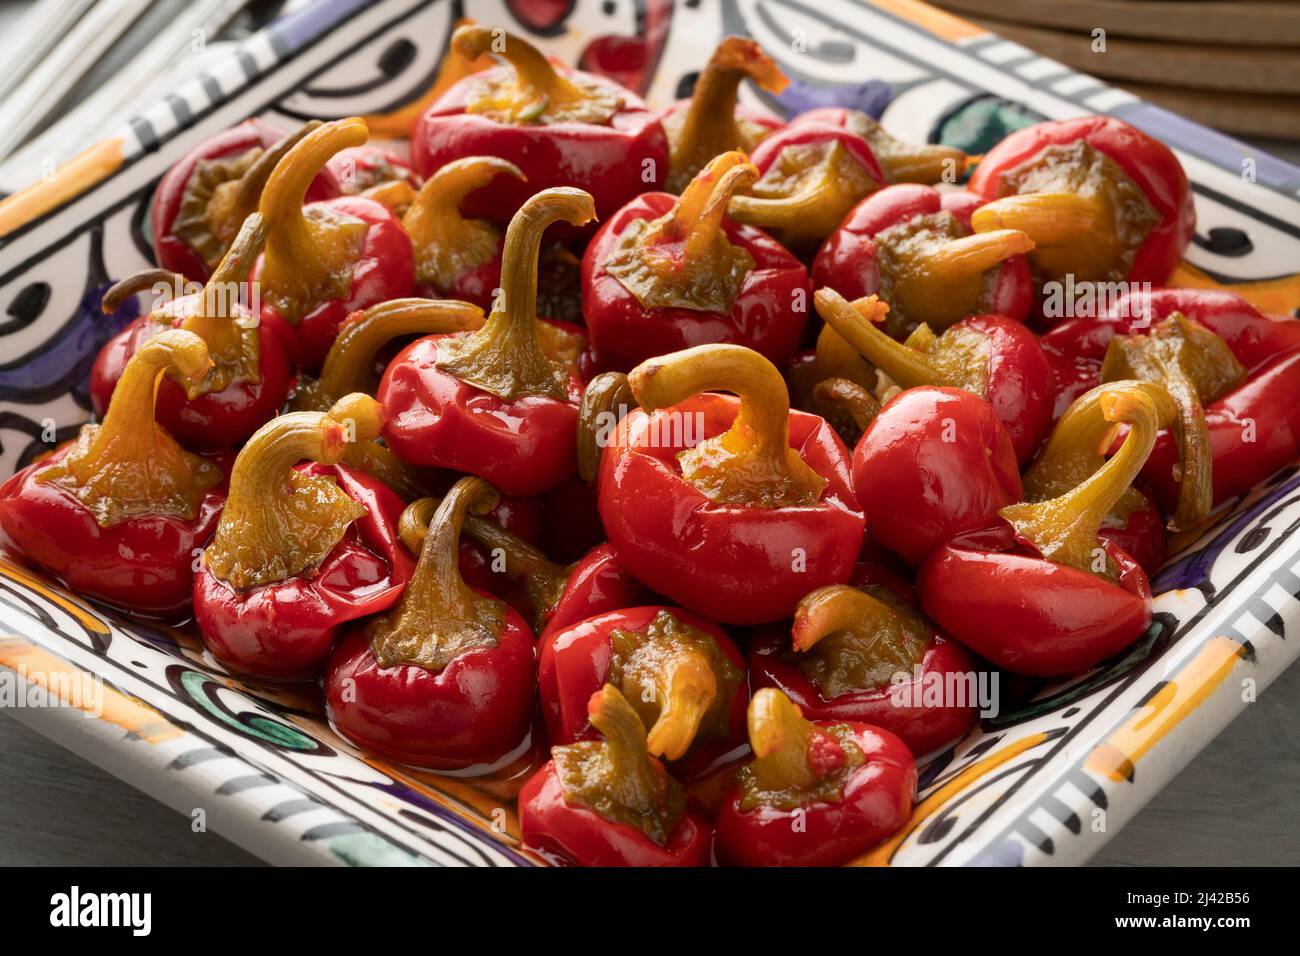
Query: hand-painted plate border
x,y
1047,782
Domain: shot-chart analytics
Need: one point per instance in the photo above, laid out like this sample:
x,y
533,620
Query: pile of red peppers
x,y
656,465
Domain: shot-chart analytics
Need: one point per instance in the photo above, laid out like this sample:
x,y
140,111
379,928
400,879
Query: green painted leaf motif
x,y
979,124
368,849
256,726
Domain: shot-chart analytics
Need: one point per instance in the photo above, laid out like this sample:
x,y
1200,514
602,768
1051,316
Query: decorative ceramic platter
x,y
1047,780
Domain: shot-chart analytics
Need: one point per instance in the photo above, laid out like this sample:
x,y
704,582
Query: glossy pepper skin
x,y
253,379
445,680
757,291
901,161
732,561
901,707
609,157
1147,163
844,787
198,207
941,464
1252,427
1041,592
996,359
269,603
609,803
596,583
120,513
697,718
810,175
978,275
496,402
325,260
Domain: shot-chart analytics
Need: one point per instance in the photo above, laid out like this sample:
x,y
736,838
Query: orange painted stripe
x,y
883,854
21,576
1273,296
1118,755
69,181
939,22
38,666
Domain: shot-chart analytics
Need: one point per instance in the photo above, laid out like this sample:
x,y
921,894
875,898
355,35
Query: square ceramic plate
x,y
1048,780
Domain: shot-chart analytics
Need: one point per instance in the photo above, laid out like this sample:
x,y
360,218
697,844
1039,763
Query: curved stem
x,y
128,465
1082,438
752,462
1196,367
842,608
688,688
150,280
785,212
440,617
309,258
505,358
279,522
709,125
544,580
248,192
957,259
856,401
233,343
447,244
606,400
780,738
1047,218
1064,529
856,322
350,364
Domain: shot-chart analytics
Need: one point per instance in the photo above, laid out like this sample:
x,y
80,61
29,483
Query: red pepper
x,y
810,175
609,803
202,201
681,673
446,679
1100,199
361,170
988,355
818,793
561,127
300,549
733,507
1043,594
496,402
596,583
711,122
250,376
1224,363
665,274
331,258
847,652
913,245
121,513
940,464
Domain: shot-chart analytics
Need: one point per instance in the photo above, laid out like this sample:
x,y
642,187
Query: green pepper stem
x,y
1048,218
440,617
839,607
505,357
147,280
128,465
309,259
752,462
248,192
779,737
607,398
540,85
447,244
786,212
860,404
957,259
687,687
350,364
278,522
1082,438
856,323
696,219
1064,529
709,125
544,580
